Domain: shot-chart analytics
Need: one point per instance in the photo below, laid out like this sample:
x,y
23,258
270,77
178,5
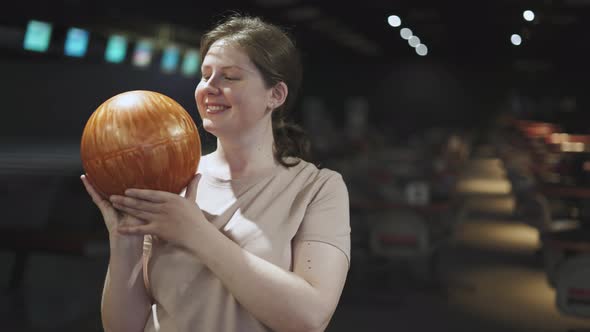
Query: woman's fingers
x,y
137,213
136,204
154,196
90,189
191,190
136,229
109,214
96,197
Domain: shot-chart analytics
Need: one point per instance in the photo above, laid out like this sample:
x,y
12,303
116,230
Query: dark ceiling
x,y
476,32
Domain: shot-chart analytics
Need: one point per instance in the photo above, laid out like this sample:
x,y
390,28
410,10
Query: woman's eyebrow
x,y
236,67
230,67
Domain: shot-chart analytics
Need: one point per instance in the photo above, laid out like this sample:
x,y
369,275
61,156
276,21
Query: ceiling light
x,y
394,21
405,33
516,39
421,49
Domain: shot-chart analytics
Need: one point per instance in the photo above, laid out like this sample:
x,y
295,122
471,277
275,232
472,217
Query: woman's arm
x,y
125,306
302,300
125,303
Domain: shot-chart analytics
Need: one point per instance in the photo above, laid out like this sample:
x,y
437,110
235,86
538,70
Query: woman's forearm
x,y
125,302
280,299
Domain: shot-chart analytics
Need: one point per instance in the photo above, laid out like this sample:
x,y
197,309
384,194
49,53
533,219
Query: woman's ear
x,y
278,95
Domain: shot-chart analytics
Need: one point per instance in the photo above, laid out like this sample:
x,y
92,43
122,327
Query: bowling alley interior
x,y
461,130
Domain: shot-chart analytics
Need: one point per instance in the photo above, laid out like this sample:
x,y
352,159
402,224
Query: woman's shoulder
x,y
324,187
314,173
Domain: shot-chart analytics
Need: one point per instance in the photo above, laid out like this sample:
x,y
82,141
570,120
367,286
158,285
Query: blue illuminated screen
x,y
191,63
170,59
116,49
37,36
76,42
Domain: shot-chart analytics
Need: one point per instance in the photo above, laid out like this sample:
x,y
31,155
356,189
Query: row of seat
x,y
549,171
404,207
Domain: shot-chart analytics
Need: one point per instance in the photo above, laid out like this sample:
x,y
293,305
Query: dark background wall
x,y
53,99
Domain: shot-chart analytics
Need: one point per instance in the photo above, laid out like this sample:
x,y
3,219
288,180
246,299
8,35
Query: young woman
x,y
260,239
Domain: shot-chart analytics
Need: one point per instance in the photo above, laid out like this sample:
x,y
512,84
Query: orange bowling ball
x,y
140,139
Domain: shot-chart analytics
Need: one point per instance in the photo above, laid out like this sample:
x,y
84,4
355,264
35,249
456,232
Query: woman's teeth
x,y
215,108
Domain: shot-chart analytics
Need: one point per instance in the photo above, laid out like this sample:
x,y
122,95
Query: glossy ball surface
x,y
140,139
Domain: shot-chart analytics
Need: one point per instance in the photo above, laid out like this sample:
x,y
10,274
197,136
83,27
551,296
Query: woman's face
x,y
231,97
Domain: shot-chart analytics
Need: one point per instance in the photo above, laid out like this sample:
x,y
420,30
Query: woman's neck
x,y
240,158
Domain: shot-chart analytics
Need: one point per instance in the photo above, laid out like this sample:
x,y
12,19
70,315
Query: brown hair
x,y
274,54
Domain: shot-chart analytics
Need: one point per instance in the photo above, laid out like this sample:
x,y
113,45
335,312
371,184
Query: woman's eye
x,y
231,78
204,78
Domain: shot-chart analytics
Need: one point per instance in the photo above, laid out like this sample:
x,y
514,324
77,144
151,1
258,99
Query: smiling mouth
x,y
215,109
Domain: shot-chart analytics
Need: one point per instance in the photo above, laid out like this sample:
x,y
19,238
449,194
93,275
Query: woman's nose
x,y
211,86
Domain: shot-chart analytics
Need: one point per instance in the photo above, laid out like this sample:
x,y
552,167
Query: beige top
x,y
264,215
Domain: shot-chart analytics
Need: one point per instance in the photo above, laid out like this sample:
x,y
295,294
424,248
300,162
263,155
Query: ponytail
x,y
290,140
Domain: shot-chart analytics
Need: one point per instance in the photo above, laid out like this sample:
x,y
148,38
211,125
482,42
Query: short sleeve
x,y
327,218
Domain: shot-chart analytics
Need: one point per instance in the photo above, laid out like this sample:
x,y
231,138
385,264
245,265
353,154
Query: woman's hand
x,y
112,218
170,217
